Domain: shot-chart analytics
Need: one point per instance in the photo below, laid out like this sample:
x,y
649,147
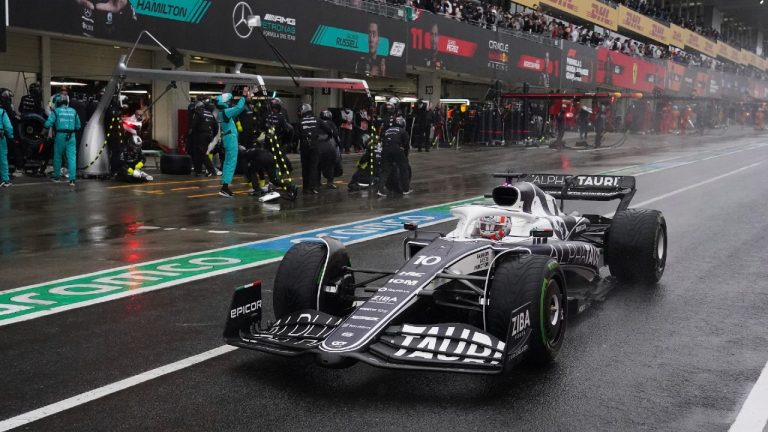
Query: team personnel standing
x,y
599,126
308,148
227,115
32,102
395,172
420,126
347,124
6,134
278,125
327,148
203,128
66,123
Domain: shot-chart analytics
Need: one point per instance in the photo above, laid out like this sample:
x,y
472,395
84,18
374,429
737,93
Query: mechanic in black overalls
x,y
277,121
203,127
328,148
32,103
395,171
420,126
310,157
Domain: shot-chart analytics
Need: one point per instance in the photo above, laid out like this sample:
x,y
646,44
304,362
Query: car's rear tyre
x,y
537,280
297,282
636,249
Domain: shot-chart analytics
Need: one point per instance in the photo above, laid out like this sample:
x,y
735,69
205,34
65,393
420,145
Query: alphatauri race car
x,y
494,292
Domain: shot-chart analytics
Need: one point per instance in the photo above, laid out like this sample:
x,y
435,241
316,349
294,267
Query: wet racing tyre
x,y
31,128
538,281
636,248
176,164
297,281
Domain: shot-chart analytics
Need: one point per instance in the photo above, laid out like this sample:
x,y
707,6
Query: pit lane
x,y
682,356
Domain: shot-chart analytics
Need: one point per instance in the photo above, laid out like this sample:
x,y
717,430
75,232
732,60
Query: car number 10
x,y
427,260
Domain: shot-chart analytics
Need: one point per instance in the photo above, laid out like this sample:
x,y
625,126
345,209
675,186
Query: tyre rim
x,y
554,310
555,314
661,247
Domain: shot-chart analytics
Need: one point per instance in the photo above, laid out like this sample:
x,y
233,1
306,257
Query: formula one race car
x,y
495,291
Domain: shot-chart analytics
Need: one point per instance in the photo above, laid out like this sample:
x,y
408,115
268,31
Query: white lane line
x,y
107,390
753,416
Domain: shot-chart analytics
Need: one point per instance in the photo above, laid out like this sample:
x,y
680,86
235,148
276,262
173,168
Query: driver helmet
x,y
326,115
494,227
276,104
400,122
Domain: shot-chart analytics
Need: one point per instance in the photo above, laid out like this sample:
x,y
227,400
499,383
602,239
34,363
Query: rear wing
x,y
584,187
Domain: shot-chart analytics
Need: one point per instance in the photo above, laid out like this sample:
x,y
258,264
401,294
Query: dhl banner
x,y
677,36
734,54
744,57
533,4
589,10
709,47
644,26
694,41
601,14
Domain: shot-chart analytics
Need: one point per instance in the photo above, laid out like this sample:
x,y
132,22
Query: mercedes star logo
x,y
240,19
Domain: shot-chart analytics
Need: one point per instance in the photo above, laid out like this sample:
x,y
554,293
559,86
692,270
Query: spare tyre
x,y
31,128
175,164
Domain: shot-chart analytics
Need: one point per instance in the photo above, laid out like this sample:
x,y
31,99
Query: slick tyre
x,y
175,164
297,283
636,249
538,281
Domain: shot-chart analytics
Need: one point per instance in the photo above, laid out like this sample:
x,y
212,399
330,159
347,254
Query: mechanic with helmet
x,y
277,123
391,112
228,110
308,148
6,134
328,148
395,171
65,123
203,127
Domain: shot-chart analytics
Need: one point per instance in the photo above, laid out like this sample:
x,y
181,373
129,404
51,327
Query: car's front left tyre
x,y
538,281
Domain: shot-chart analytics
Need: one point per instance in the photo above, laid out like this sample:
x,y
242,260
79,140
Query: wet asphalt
x,y
679,356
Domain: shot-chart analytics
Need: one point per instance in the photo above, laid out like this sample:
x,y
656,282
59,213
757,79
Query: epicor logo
x,y
240,15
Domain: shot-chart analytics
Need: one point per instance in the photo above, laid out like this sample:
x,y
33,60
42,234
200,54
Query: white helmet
x,y
494,227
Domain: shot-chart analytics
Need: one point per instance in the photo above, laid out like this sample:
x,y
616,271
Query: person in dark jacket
x,y
203,127
308,150
395,171
328,148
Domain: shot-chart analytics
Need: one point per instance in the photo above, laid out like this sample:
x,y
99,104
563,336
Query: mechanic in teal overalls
x,y
65,122
6,131
227,115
